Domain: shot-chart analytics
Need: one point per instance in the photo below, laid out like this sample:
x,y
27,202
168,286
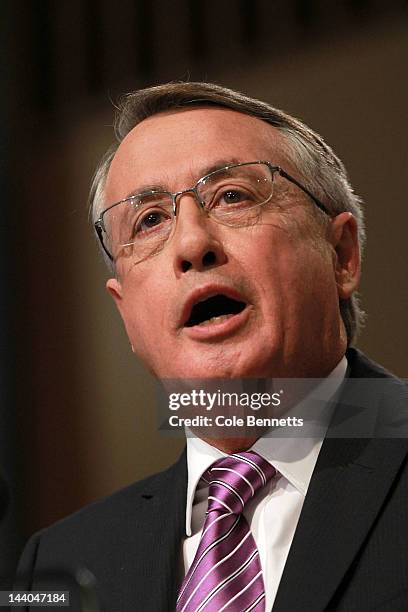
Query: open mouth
x,y
213,310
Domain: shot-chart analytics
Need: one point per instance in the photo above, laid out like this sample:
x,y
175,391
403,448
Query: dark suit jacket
x,y
349,553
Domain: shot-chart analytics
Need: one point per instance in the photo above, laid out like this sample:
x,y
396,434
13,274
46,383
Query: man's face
x,y
278,275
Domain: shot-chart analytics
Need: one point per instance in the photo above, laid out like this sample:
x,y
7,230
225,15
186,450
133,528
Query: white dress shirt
x,y
274,512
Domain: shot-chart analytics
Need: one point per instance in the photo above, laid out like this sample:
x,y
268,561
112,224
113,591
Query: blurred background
x,y
77,416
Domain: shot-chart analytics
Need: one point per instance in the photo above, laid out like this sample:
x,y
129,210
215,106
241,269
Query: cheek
x,y
291,274
143,312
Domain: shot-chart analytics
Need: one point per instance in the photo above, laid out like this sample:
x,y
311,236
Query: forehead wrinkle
x,y
196,175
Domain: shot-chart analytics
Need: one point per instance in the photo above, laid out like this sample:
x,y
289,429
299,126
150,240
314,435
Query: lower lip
x,y
223,329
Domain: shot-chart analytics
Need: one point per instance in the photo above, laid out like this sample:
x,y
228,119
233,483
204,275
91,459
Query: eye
x,y
151,220
233,196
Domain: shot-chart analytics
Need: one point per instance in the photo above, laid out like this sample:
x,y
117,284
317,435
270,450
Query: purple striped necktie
x,y
226,573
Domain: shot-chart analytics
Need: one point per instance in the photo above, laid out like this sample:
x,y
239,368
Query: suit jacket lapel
x,y
349,485
159,552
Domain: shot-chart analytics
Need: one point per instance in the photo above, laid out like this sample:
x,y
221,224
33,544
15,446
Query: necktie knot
x,y
235,479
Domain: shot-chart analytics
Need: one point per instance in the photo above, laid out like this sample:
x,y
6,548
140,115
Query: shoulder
x,y
373,382
373,403
118,506
361,366
122,520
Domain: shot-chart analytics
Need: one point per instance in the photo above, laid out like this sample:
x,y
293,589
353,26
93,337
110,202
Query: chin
x,y
239,365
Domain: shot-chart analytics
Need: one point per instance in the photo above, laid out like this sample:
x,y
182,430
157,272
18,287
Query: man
x,y
234,237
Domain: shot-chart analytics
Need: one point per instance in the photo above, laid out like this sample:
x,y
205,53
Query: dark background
x,y
77,414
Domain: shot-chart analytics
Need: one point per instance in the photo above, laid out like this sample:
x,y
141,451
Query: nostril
x,y
209,258
186,265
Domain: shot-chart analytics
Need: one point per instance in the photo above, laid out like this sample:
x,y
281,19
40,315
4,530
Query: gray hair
x,y
319,167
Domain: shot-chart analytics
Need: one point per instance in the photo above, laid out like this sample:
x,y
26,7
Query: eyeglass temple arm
x,y
318,203
99,232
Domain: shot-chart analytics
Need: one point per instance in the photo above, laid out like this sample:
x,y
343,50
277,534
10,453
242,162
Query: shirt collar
x,y
294,458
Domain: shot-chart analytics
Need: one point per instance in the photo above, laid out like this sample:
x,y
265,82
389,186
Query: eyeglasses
x,y
141,225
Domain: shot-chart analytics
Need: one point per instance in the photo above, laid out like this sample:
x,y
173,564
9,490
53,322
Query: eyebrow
x,y
218,165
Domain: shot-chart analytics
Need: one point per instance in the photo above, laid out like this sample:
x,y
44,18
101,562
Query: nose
x,y
196,244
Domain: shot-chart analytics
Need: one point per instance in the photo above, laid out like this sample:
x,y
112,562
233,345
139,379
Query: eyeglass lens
x,y
141,225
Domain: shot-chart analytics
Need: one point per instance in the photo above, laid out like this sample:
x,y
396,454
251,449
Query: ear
x,y
344,238
114,288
